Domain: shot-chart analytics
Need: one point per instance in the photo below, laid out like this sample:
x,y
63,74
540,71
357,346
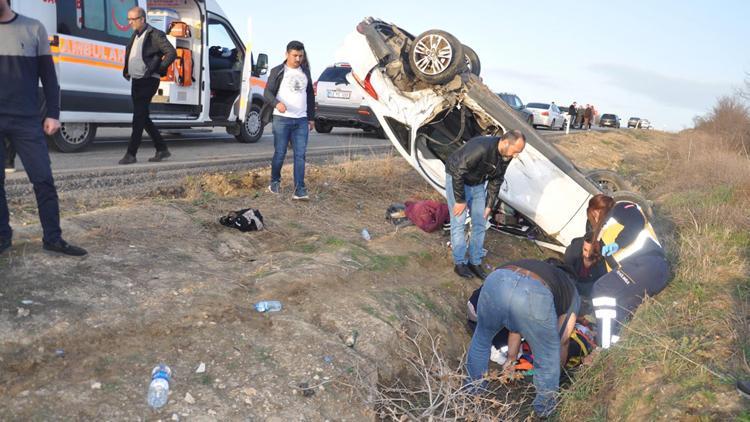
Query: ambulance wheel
x,y
73,137
252,128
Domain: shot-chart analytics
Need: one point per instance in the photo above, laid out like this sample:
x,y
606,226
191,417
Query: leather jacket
x,y
477,161
272,89
158,53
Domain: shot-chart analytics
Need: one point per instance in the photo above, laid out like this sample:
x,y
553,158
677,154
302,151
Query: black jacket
x,y
272,89
158,53
477,161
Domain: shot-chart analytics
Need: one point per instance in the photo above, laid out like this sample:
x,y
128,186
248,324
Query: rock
x,y
96,386
306,390
249,391
189,399
317,377
201,368
22,312
211,412
351,340
175,417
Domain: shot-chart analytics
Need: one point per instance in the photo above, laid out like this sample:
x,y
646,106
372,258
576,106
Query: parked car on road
x,y
633,122
516,104
430,104
609,120
547,115
338,105
644,124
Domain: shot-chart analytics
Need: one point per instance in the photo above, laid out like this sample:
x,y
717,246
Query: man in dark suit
x,y
147,57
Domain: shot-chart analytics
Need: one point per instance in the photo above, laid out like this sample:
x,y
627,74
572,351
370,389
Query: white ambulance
x,y
215,82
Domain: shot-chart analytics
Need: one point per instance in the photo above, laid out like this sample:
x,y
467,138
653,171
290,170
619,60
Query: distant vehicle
x,y
516,104
645,124
609,120
547,115
337,105
633,122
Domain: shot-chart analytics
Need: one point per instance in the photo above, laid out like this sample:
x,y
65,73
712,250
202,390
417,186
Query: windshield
x,y
538,105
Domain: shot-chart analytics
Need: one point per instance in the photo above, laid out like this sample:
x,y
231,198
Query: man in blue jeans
x,y
534,299
25,58
480,160
290,98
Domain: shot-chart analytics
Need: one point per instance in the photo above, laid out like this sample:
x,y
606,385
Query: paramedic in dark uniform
x,y
25,58
635,261
147,57
534,299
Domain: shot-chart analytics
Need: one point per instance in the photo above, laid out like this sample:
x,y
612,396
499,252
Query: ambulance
x,y
215,81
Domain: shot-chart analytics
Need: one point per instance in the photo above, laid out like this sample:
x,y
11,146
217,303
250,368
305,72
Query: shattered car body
x,y
427,121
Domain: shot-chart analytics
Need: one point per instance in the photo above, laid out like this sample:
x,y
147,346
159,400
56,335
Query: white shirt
x,y
293,93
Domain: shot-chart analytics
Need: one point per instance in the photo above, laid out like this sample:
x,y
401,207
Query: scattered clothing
x,y
396,214
245,220
427,215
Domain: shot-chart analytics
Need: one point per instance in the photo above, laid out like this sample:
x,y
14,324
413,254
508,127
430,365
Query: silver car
x,y
547,115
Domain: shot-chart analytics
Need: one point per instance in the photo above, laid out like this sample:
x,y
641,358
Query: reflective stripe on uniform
x,y
604,301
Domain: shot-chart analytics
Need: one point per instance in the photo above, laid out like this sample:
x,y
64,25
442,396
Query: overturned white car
x,y
429,99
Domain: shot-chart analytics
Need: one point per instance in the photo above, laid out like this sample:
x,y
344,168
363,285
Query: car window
x,y
608,116
93,15
335,74
538,105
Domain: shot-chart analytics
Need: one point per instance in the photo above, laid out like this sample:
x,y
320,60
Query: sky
x,y
667,60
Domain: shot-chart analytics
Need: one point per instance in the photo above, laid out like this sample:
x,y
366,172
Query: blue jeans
x,y
475,199
522,304
284,129
26,136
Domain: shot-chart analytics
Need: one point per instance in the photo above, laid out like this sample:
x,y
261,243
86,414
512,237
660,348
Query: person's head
x,y
295,54
599,206
4,7
511,144
137,18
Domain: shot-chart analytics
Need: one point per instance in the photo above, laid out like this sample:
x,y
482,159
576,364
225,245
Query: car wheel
x,y
436,57
608,181
645,204
565,124
73,137
471,60
321,127
252,128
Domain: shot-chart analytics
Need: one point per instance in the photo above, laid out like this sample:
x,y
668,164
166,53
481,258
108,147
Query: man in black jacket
x,y
585,262
147,57
291,101
481,159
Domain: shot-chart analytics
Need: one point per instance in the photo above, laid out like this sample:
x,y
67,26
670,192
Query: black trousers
x,y
10,153
142,91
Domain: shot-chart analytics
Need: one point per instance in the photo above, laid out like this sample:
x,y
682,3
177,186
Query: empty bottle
x,y
268,306
366,234
158,391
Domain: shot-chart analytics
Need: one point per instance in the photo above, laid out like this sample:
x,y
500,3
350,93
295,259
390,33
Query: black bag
x,y
247,220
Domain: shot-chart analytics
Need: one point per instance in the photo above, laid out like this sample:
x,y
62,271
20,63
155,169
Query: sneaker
x,y
10,167
478,270
160,155
275,187
5,244
463,271
127,159
300,194
64,248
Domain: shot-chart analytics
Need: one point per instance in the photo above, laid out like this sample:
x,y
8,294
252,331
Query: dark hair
x,y
599,202
588,237
295,45
512,136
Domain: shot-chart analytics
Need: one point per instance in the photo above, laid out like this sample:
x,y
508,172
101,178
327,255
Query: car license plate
x,y
344,95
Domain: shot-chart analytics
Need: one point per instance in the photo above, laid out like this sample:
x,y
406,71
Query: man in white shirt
x,y
290,99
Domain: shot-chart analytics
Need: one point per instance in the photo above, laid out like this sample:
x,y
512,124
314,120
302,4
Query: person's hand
x,y
281,107
609,250
458,209
310,124
126,76
487,212
51,126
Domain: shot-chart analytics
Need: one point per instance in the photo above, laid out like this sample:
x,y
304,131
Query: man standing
x,y
289,95
572,113
481,159
25,58
588,114
147,57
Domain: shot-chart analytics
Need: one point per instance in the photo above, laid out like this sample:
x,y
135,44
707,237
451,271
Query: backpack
x,y
246,220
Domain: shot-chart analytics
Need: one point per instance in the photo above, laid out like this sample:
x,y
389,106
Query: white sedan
x,y
547,115
429,100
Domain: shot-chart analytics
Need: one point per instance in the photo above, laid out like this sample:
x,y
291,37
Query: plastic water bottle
x,y
268,306
158,391
366,235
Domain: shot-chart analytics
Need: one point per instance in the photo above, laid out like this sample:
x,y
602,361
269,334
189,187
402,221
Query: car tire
x,y
645,204
471,61
608,181
436,72
73,137
252,128
321,127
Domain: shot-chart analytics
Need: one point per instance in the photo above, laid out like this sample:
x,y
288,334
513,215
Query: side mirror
x,y
262,64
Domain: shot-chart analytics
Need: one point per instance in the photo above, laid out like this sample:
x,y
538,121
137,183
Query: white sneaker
x,y
9,170
497,356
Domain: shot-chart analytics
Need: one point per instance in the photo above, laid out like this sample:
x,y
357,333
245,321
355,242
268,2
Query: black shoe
x,y
127,159
463,271
65,248
744,388
478,271
160,155
5,244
